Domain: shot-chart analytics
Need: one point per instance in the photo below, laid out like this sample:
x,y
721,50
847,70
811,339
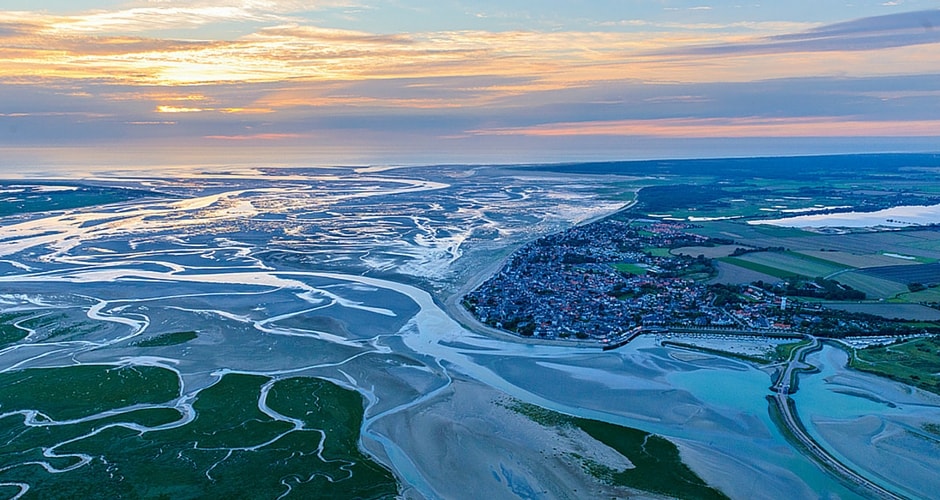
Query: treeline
x,y
818,288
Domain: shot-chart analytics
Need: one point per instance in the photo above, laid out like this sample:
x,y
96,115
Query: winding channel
x,y
282,278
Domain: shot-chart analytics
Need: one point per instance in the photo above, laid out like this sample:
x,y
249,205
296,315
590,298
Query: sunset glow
x,y
448,81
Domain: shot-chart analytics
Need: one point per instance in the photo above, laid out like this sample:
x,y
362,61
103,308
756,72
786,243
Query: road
x,y
782,391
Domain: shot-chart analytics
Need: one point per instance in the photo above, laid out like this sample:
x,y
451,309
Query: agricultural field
x,y
788,263
873,287
861,261
924,273
914,312
881,264
731,274
929,296
755,235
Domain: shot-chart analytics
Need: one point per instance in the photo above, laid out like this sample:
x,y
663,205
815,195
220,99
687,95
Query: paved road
x,y
782,390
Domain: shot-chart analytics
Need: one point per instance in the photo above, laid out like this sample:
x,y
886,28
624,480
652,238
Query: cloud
x,y
282,81
728,128
255,137
871,33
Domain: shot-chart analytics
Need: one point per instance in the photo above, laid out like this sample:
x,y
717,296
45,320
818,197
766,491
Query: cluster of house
x,y
604,279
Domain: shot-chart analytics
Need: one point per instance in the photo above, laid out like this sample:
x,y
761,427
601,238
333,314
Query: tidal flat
x,y
321,343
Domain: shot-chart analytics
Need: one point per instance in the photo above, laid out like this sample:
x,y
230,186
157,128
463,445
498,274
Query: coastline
x,y
453,308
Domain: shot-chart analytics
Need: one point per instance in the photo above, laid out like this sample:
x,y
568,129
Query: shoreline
x,y
453,308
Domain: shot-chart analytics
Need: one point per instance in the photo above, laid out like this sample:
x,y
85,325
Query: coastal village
x,y
613,279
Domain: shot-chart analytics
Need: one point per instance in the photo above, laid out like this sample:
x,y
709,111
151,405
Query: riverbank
x,y
452,301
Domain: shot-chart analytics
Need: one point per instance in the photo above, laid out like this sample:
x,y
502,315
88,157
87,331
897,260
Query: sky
x,y
454,81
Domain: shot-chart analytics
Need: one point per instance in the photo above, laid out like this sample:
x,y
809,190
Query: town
x,y
610,280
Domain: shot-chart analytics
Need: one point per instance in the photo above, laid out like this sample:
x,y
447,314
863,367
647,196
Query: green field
x,y
915,362
931,295
856,260
658,466
630,268
761,268
657,252
874,288
792,263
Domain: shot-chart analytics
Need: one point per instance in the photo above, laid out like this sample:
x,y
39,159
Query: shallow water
x,y
903,216
329,274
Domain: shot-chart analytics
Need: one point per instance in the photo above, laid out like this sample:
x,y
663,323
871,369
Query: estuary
x,y
216,314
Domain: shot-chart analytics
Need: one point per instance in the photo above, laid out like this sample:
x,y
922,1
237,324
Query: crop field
x,y
924,273
925,244
874,287
928,295
859,260
756,235
910,312
761,268
732,274
789,263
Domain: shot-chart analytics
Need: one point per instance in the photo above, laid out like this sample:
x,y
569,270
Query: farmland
x,y
787,264
896,265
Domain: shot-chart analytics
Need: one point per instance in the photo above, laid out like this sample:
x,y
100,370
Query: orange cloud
x,y
97,46
729,128
178,109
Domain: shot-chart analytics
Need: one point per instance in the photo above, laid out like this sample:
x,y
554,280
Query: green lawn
x,y
657,252
630,268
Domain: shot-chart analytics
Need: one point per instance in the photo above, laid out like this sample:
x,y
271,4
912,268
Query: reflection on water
x,y
872,422
330,273
904,216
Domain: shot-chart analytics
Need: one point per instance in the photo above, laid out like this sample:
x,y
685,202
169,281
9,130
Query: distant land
x,y
672,328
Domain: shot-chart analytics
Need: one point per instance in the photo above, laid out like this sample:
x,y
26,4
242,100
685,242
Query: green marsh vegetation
x,y
915,362
9,332
143,447
658,468
168,339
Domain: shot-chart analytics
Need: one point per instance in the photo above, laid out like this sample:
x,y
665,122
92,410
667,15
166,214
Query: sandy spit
x,y
467,443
